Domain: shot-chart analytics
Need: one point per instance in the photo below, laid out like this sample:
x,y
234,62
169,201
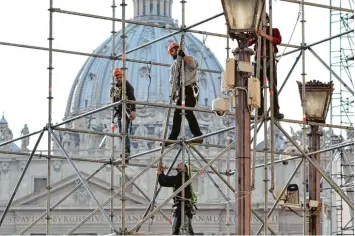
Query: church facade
x,y
214,215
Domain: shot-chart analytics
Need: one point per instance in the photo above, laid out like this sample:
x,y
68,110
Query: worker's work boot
x,y
278,115
260,113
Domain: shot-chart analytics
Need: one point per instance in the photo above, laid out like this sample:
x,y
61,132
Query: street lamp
x,y
243,18
318,96
317,99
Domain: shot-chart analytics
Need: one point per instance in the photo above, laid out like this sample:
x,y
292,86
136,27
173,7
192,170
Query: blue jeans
x,y
128,142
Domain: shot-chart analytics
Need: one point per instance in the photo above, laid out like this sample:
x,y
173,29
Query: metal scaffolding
x,y
346,110
341,61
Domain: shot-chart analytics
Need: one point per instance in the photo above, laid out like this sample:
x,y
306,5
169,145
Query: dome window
x,y
143,72
104,49
92,76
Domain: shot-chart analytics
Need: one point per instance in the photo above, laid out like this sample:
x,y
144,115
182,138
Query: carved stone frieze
x,y
204,116
21,165
4,166
141,131
57,165
81,196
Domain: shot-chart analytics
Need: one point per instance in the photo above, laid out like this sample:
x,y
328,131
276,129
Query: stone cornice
x,y
128,207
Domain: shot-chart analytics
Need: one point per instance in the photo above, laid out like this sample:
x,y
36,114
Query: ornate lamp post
x,y
243,19
317,96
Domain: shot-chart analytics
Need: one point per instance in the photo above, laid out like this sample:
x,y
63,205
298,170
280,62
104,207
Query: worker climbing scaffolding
x,y
181,217
189,198
130,109
191,90
275,39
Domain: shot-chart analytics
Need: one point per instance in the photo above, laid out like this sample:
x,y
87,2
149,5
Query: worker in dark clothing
x,y
191,91
190,199
130,108
275,39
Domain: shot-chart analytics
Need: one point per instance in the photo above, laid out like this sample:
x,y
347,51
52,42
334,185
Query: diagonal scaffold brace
x,y
82,180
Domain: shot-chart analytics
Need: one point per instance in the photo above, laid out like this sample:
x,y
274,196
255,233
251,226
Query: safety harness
x,y
193,200
195,86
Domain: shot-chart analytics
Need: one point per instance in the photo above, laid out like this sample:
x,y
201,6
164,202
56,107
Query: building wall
x,y
211,217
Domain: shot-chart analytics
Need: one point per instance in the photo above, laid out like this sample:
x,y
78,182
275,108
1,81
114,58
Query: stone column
x,y
161,8
170,7
140,6
147,8
4,181
135,7
155,8
167,4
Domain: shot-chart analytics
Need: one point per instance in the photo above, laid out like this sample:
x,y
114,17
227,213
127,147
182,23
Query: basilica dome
x,y
91,87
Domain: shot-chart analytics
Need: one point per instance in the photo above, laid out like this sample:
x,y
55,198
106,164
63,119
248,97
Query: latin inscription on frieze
x,y
74,219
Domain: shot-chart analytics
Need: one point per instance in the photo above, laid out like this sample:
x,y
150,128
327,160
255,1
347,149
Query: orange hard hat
x,y
117,72
171,46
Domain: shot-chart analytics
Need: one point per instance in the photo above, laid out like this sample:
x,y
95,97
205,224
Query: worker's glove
x,y
161,167
181,53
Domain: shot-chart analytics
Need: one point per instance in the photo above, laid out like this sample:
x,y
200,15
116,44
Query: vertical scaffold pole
x,y
266,141
113,85
50,97
124,118
273,90
182,44
228,222
303,45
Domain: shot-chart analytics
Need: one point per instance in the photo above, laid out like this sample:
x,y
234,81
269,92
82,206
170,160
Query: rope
x,y
196,93
293,31
204,38
150,81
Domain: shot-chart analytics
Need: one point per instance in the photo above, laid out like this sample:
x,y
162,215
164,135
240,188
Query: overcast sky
x,y
24,74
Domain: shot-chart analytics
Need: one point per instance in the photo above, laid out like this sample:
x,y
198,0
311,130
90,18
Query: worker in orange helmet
x,y
130,108
191,91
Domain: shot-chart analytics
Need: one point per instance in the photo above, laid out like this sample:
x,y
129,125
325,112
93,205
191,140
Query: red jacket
x,y
276,40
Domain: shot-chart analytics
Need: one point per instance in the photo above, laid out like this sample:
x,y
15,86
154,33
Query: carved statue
x,y
143,132
25,141
66,140
4,166
159,131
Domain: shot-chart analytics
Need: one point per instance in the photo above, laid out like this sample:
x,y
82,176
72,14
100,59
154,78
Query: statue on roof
x,y
25,141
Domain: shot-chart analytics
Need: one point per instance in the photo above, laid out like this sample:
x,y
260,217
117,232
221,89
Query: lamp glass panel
x,y
315,104
241,13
